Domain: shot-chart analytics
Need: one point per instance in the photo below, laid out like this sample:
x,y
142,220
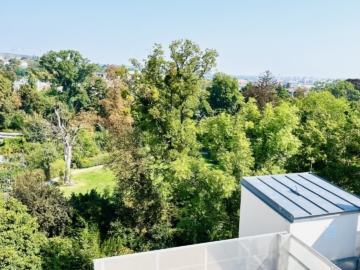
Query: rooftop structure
x,y
301,195
322,215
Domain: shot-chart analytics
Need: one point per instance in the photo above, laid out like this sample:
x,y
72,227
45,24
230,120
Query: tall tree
x,y
273,138
225,138
329,133
69,70
167,92
5,93
224,93
30,99
264,90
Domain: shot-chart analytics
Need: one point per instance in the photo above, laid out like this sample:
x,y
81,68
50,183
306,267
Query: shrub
x,y
72,253
94,161
17,122
85,147
57,168
45,202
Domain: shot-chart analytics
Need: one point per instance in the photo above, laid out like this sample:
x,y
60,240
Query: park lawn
x,y
95,179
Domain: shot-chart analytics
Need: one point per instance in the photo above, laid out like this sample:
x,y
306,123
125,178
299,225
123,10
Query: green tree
x,y
202,196
96,89
40,156
76,252
300,93
174,196
330,140
168,92
273,138
343,89
30,99
85,146
281,92
32,79
69,70
224,93
5,94
44,202
20,240
225,138
37,129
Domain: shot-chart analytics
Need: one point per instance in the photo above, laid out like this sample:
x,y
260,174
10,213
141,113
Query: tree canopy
x,y
178,143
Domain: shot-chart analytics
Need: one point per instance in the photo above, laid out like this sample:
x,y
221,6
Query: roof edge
x,y
273,205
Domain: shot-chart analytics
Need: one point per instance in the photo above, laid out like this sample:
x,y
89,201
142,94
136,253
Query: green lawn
x,y
95,179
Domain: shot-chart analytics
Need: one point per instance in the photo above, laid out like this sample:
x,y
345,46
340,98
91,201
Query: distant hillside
x,y
15,55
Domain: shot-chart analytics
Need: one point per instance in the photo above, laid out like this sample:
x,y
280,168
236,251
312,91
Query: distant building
x,y
242,83
100,74
291,90
6,61
24,64
40,85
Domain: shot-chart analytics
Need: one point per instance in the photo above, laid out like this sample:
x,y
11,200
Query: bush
x,y
57,168
72,253
17,122
45,202
8,172
85,146
94,161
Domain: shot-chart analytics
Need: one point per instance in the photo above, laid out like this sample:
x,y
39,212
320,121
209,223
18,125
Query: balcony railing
x,y
266,252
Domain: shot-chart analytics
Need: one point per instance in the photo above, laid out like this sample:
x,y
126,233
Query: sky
x,y
319,38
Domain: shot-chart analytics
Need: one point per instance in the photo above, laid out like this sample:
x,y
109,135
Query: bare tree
x,y
66,133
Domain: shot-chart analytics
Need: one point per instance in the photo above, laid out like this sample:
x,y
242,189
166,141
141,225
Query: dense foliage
x,y
179,145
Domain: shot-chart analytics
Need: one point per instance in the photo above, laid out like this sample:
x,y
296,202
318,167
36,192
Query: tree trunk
x,y
67,157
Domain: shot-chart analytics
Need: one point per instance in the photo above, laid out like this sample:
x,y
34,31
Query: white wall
x,y
258,218
335,237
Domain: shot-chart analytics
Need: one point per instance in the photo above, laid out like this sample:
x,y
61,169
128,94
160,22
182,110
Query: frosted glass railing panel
x,y
294,254
265,252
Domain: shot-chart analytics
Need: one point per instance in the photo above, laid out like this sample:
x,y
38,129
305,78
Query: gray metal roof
x,y
301,195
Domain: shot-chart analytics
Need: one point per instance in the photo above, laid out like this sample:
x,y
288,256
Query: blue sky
x,y
304,38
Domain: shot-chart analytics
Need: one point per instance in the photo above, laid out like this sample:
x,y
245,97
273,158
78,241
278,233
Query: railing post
x,y
281,260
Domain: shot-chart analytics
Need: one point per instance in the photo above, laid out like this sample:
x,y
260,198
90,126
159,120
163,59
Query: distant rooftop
x,y
301,195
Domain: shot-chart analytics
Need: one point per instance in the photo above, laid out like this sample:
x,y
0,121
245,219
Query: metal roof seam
x,y
317,197
348,192
314,192
285,197
329,190
301,195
